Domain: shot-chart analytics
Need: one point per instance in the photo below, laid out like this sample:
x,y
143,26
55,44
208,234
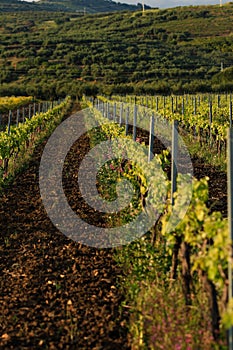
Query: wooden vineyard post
x,y
17,118
23,114
108,111
230,222
104,109
194,106
114,112
151,138
174,159
194,112
127,122
9,122
211,119
29,112
230,114
135,122
182,105
210,112
121,114
157,103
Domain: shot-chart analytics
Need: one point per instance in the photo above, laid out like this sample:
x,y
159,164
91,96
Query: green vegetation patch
x,y
160,51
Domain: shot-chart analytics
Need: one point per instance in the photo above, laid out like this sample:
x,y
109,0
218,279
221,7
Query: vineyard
x,y
163,51
11,103
161,164
197,250
20,137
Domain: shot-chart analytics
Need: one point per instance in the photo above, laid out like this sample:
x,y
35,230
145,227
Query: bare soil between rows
x,y
56,293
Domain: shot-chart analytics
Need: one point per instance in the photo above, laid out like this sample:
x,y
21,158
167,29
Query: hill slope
x,y
88,6
174,50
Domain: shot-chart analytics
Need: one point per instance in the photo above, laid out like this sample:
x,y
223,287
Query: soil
x,y
56,293
217,184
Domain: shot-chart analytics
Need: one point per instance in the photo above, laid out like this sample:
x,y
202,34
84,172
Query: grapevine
x,y
202,235
20,136
12,102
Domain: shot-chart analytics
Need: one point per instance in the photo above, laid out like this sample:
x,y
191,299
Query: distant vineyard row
x,y
12,102
205,116
18,139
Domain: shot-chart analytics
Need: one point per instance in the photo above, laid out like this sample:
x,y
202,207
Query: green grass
x,y
207,153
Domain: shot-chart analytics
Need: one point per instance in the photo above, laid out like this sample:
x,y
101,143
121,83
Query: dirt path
x,y
54,293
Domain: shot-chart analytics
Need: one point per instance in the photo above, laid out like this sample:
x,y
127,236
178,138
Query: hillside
x,y
184,49
88,6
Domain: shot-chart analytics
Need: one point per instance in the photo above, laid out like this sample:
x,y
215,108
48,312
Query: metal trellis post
x,y
230,222
174,159
151,138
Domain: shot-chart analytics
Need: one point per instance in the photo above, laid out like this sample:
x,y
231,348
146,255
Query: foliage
x,y
126,166
197,274
91,6
203,119
48,54
12,102
159,316
25,134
